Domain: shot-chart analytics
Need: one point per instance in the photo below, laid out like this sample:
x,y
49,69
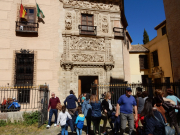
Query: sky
x,y
143,14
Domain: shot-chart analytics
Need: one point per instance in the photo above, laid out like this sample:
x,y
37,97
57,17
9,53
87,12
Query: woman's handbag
x,y
59,106
168,129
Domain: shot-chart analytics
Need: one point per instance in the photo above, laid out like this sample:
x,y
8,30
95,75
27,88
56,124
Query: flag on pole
x,y
39,12
22,11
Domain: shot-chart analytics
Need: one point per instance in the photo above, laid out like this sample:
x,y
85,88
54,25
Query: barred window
x,y
143,60
163,30
24,69
155,59
144,79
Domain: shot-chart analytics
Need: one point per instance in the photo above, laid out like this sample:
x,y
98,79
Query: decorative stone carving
x,y
90,5
67,65
157,71
86,71
104,24
87,58
87,44
68,21
108,66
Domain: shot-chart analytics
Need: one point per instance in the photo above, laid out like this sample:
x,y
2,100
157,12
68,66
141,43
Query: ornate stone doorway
x,y
85,83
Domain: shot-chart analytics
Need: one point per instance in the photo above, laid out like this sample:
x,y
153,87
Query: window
x,y
163,30
127,45
28,24
31,15
143,60
144,79
87,25
24,69
87,19
155,58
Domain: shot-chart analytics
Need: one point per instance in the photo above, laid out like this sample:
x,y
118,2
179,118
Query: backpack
x,y
168,129
80,124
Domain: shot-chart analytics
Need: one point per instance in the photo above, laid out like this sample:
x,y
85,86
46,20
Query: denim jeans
x,y
88,120
79,131
64,130
51,112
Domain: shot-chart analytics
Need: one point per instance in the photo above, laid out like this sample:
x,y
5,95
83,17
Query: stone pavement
x,y
56,130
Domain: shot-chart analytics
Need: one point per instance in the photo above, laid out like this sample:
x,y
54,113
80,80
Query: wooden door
x,y
96,82
79,87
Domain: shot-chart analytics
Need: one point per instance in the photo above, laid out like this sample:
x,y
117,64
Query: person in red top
x,y
52,103
4,101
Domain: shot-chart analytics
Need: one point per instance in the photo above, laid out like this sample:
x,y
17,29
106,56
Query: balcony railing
x,y
87,30
118,32
27,27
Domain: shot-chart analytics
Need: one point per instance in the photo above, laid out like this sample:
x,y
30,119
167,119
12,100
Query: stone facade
x,y
61,53
172,12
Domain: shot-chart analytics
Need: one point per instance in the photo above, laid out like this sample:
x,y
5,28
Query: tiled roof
x,y
138,48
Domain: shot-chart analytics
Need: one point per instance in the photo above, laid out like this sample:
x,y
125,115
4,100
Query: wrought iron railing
x,y
22,97
87,30
118,32
119,89
22,26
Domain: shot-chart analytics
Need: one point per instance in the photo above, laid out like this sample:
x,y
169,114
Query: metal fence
x,y
119,89
17,98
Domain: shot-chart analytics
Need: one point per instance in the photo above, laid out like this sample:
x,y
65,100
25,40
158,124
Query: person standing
x,y
107,111
96,113
145,95
80,100
52,103
125,104
87,110
84,97
70,102
140,105
62,118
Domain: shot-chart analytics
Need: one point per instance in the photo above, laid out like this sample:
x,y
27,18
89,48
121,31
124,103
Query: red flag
x,y
22,11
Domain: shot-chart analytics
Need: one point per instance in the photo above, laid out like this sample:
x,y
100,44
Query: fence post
x,y
150,89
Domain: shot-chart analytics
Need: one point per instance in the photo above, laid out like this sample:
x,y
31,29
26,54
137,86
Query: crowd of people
x,y
148,115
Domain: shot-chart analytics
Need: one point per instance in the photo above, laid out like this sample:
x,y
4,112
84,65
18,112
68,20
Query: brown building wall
x,y
172,12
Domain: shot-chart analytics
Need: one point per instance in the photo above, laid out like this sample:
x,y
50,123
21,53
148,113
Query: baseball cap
x,y
128,89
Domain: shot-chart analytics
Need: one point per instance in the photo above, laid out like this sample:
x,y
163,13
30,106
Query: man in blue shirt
x,y
125,104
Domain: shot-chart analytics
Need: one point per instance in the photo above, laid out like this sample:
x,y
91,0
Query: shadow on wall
x,y
116,80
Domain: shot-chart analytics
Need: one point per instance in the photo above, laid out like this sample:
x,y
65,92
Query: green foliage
x,y
145,37
30,118
3,123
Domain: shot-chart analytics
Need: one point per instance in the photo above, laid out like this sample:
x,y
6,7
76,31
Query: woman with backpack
x,y
87,110
79,122
62,117
96,113
107,111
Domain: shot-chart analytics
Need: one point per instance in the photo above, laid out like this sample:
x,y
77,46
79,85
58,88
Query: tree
x,y
145,37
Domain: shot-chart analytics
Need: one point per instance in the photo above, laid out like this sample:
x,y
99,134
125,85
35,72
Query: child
x,y
80,122
62,117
